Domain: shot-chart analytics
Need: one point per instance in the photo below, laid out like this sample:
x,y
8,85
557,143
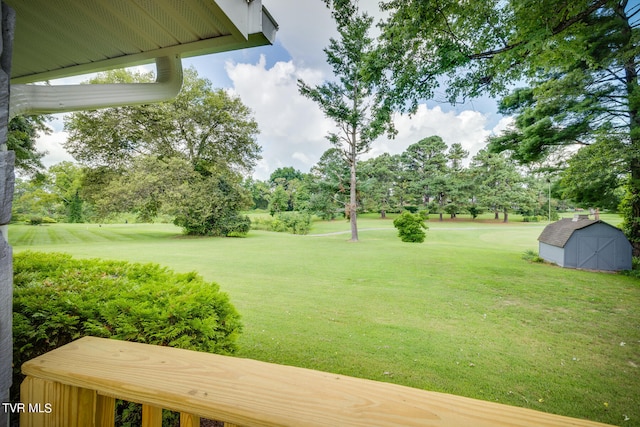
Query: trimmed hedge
x,y
58,299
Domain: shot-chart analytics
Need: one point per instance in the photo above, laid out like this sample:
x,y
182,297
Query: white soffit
x,y
59,38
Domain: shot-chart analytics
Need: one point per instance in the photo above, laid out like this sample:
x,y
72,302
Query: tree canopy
x,y
577,63
21,138
183,157
205,126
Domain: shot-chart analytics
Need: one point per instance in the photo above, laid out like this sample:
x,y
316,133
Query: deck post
x,y
7,160
151,416
105,411
52,404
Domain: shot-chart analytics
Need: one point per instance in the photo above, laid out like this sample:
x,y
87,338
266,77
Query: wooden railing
x,y
76,386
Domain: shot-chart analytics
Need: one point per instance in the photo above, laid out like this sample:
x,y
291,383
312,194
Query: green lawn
x,y
461,313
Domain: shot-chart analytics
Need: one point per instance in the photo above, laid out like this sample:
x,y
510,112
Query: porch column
x,y
7,160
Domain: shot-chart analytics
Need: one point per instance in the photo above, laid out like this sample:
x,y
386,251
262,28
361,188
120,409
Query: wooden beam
x,y
251,393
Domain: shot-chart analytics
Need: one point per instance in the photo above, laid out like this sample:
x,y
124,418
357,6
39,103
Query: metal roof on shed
x,y
559,232
58,38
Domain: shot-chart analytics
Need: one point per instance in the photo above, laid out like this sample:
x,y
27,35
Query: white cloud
x,y
52,144
502,125
303,158
292,127
467,128
305,29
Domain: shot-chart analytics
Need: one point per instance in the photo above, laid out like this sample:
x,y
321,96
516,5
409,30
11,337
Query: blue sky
x,y
292,128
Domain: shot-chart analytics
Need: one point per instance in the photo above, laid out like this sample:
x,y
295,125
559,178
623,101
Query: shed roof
x,y
68,37
559,232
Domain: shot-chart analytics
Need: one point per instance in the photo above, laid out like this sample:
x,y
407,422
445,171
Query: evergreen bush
x,y
58,299
410,227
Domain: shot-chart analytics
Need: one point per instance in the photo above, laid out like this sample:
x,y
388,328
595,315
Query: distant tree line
x,y
428,176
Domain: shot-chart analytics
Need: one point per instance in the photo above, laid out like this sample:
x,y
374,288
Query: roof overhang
x,y
61,38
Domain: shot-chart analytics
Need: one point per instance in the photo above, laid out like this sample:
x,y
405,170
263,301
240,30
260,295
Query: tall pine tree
x,y
353,100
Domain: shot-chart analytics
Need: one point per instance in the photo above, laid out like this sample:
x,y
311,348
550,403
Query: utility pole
x,y
549,182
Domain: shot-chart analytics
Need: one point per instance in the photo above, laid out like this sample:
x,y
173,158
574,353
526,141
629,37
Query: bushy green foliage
x,y
58,299
296,222
474,211
635,268
235,226
35,220
410,227
285,222
631,218
532,256
533,218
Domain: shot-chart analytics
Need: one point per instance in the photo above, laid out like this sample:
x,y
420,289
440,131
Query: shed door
x,y
596,253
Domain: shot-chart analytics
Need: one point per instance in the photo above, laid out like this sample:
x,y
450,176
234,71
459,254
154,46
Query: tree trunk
x,y
353,203
7,159
497,215
506,216
383,214
632,220
632,216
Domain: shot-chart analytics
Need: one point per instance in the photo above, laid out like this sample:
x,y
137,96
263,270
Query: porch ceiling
x,y
59,38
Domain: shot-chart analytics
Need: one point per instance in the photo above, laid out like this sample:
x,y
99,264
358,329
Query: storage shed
x,y
585,243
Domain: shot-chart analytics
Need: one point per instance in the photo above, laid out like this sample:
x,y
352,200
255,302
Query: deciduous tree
x,y
596,174
66,181
329,184
579,59
23,131
151,158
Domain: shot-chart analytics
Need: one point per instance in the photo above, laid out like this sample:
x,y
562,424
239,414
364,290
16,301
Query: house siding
x,y
551,253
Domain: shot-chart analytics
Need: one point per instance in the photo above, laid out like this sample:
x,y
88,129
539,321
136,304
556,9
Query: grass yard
x,y
461,313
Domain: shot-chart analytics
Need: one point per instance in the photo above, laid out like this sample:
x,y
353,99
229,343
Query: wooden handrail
x,y
80,381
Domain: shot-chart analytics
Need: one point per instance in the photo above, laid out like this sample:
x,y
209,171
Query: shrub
x,y
410,227
35,220
58,299
291,222
531,256
232,225
635,268
296,222
235,226
530,219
